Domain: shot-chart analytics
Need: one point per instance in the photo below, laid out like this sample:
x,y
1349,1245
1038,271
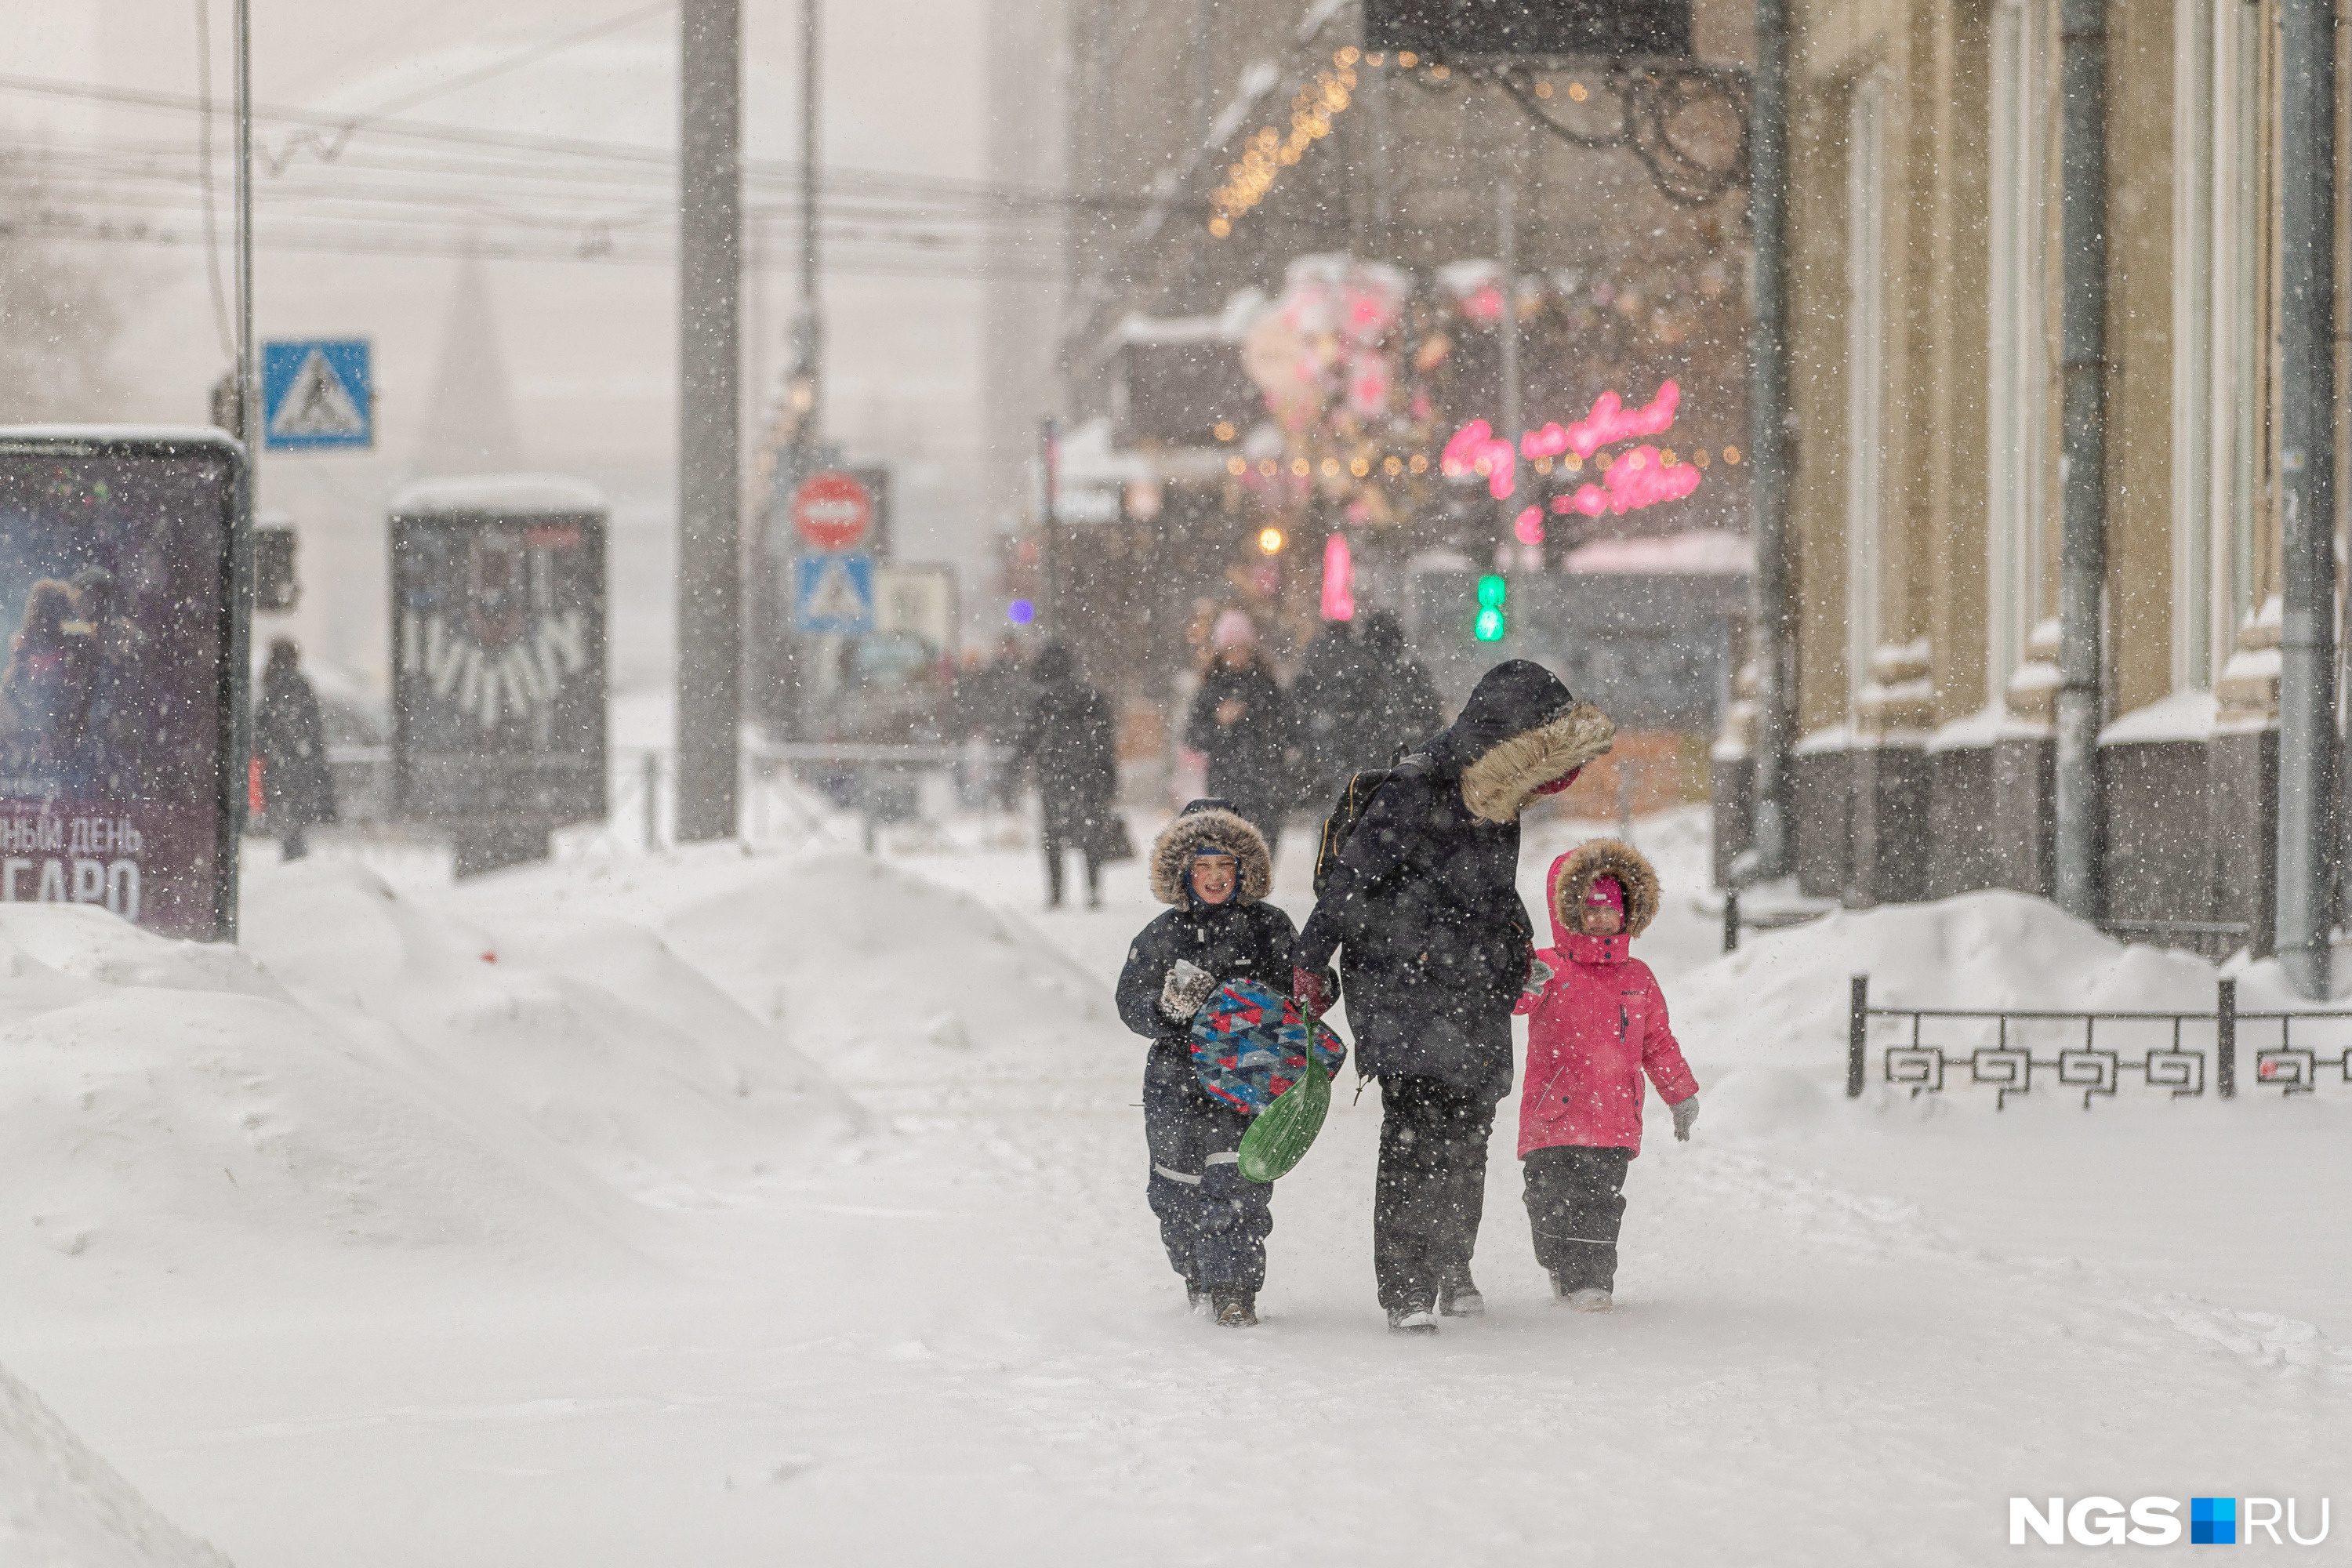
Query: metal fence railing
x,y
2171,1050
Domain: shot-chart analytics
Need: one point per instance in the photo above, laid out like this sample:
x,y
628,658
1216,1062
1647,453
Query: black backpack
x,y
1349,810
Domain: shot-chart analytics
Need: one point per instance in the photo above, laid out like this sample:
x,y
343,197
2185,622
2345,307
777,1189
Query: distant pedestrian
x,y
1424,907
1596,1028
1072,744
1326,701
298,789
1241,721
1397,705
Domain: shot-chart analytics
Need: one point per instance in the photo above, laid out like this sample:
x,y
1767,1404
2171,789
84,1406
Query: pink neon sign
x,y
1648,480
1610,421
1476,449
1641,478
1339,580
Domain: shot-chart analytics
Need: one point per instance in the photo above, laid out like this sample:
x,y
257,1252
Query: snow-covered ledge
x,y
2184,716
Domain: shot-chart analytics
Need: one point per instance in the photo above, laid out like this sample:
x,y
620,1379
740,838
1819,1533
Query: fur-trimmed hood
x,y
1573,874
1209,822
1497,787
1520,729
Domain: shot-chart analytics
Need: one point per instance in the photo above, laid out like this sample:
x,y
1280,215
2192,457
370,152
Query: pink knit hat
x,y
1605,894
1233,630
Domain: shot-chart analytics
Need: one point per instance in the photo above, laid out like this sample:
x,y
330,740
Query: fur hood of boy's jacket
x,y
1203,823
1573,874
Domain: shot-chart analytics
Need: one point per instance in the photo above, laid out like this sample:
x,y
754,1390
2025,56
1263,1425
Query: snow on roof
x,y
507,494
1229,325
1701,550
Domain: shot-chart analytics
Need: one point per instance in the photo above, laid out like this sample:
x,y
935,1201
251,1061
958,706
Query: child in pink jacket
x,y
1597,1025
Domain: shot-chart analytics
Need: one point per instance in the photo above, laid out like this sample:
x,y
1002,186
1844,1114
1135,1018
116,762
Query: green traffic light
x,y
1493,590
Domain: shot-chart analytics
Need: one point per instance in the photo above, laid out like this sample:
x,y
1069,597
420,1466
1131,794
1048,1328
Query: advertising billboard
x,y
124,674
498,655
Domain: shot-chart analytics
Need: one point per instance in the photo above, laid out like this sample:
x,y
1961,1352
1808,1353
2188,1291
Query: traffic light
x,y
1491,624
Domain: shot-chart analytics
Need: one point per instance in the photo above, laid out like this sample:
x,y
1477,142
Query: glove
x,y
1539,976
1311,990
1685,1112
1187,987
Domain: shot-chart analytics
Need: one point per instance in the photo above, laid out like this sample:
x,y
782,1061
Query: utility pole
x,y
246,407
2307,740
1768,855
808,326
710,570
1507,241
2082,544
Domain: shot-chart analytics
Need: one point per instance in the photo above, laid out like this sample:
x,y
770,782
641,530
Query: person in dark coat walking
x,y
298,790
1240,720
1434,943
1213,868
1397,706
1325,699
1074,745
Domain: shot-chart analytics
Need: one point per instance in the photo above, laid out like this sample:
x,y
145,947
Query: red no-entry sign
x,y
832,511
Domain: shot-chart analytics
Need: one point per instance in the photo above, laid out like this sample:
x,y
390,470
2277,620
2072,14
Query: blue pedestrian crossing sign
x,y
834,593
317,393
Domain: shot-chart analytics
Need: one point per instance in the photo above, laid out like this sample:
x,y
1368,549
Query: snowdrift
x,y
167,1107
855,955
587,1027
62,1505
1778,1007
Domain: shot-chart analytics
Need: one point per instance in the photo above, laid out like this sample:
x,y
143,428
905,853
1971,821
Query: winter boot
x,y
1457,1294
1592,1299
1232,1307
1412,1320
1196,1298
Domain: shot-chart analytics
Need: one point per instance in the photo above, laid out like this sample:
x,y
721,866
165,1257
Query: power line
x,y
837,178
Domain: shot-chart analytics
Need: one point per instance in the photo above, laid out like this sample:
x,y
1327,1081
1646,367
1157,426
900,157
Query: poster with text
x,y
117,696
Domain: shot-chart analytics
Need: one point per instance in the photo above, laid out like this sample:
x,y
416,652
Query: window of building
x,y
2024,141
1866,362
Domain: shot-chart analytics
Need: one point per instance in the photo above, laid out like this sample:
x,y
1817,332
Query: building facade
x,y
1926,272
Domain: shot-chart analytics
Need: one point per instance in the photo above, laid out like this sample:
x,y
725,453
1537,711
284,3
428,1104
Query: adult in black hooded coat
x,y
1434,941
1073,742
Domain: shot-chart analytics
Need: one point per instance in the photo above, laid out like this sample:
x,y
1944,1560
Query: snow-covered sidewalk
x,y
735,1207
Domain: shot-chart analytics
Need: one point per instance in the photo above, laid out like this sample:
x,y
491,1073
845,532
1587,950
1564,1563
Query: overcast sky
x,y
588,346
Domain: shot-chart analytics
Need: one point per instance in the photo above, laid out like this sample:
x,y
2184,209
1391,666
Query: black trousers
x,y
1212,1222
1432,1188
1055,847
1575,1205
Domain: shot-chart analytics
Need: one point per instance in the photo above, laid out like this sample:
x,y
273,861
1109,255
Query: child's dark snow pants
x,y
1212,1223
1575,1205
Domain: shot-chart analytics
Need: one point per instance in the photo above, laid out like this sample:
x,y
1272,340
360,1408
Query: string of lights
x,y
1313,108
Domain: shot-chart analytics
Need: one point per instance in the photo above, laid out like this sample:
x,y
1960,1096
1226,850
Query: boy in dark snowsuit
x,y
1212,866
